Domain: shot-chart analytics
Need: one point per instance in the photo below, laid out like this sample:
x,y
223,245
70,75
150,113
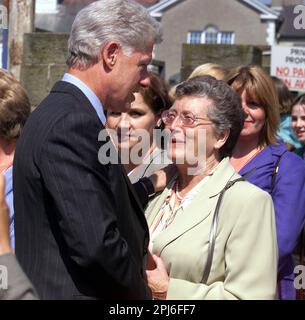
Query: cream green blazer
x,y
245,255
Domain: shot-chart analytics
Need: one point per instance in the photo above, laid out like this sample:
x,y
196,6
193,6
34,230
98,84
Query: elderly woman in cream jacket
x,y
212,233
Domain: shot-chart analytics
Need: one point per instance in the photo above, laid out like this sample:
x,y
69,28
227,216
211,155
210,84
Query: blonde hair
x,y
209,69
14,106
259,87
206,69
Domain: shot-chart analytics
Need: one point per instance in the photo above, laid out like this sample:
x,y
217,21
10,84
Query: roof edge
x,y
157,9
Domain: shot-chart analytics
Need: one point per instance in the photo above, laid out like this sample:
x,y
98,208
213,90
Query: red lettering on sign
x,y
300,84
287,82
298,72
280,71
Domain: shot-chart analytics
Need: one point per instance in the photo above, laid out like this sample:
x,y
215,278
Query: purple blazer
x,y
289,203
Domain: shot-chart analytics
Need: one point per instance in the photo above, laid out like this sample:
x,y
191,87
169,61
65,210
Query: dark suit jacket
x,y
80,229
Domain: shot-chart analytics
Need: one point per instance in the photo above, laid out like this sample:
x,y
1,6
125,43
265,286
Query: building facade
x,y
228,22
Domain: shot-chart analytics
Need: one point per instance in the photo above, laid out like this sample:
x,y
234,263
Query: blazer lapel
x,y
199,209
186,219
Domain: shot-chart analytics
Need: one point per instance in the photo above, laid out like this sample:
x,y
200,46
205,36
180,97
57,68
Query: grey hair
x,y
125,21
225,111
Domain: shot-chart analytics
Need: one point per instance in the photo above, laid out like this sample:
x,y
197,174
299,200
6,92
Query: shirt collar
x,y
91,96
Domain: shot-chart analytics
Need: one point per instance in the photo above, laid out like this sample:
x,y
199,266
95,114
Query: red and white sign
x,y
288,64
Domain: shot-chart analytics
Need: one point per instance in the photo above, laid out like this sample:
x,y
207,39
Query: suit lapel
x,y
66,87
198,210
132,193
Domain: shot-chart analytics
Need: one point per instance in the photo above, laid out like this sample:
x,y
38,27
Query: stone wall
x,y
197,15
43,63
45,54
229,56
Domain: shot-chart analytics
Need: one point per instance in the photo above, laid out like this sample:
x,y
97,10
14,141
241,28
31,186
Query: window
x,y
46,6
211,35
227,38
194,37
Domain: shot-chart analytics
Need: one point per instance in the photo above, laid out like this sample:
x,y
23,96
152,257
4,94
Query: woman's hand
x,y
158,279
4,221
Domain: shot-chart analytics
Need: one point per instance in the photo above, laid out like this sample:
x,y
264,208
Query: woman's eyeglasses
x,y
187,119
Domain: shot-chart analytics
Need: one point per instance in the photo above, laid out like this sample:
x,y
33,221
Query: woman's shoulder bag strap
x,y
213,230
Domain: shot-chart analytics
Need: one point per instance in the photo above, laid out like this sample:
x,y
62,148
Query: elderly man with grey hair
x,y
80,229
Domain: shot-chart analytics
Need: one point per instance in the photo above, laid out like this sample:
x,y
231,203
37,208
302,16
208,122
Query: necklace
x,y
251,157
242,164
204,178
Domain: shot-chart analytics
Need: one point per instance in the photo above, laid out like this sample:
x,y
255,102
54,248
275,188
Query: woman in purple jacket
x,y
269,165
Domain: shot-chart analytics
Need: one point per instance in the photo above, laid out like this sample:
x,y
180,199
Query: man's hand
x,y
151,265
158,279
4,221
161,178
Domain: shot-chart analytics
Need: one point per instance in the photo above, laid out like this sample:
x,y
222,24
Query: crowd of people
x,y
211,208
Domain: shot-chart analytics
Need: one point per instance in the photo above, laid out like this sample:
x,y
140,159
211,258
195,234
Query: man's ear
x,y
222,138
110,53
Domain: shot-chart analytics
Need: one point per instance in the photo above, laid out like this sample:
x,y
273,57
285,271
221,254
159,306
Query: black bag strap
x,y
273,179
213,230
248,173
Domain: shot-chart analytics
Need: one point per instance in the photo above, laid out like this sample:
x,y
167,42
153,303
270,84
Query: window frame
x,y
219,36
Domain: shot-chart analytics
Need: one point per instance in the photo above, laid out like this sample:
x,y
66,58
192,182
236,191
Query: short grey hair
x,y
225,112
102,21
